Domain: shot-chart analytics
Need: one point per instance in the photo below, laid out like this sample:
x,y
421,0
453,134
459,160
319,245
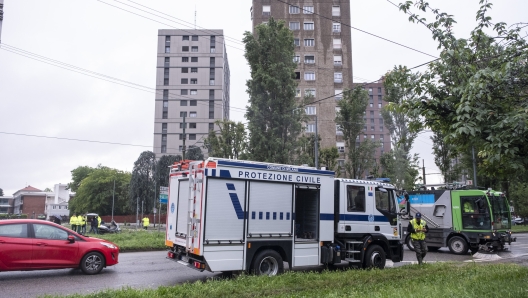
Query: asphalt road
x,y
151,270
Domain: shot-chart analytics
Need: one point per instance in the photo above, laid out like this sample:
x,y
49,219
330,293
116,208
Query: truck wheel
x,y
375,257
409,243
268,262
458,245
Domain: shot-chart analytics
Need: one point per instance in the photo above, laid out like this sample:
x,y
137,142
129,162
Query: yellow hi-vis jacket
x,y
73,220
146,222
81,220
418,235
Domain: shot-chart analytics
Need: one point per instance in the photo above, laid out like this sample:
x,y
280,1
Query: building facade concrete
x,y
6,204
192,80
34,202
323,52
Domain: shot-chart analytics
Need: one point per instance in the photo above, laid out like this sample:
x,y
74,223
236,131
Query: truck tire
x,y
268,262
409,243
458,245
375,257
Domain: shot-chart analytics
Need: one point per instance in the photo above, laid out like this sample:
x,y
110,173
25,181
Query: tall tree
x,y
360,154
445,154
96,192
230,142
1,192
273,113
304,154
78,174
194,153
143,183
477,90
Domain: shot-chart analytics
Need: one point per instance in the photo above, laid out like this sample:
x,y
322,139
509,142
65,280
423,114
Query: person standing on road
x,y
417,228
98,221
73,222
83,223
93,226
79,223
146,222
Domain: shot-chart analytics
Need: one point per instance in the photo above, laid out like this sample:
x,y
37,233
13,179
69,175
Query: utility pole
x,y
113,196
316,145
155,182
423,171
474,166
183,147
142,204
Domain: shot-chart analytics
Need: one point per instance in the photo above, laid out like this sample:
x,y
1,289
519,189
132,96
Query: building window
x,y
372,114
183,92
192,114
212,61
297,75
372,128
340,147
167,39
167,49
185,81
211,94
296,42
308,26
185,37
180,148
164,115
370,91
165,94
310,128
183,136
308,9
298,92
165,105
336,27
185,70
192,136
338,77
379,91
266,10
163,127
380,98
310,110
336,11
338,60
337,43
194,49
194,69
185,59
295,26
309,59
195,38
309,92
194,91
163,148
339,130
165,82
211,82
309,42
294,9
211,126
183,114
181,125
309,76
194,81
165,76
185,48
167,61
213,49
194,59
338,94
183,103
296,59
193,103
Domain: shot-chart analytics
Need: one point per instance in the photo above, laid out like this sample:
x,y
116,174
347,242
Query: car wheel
x,y
92,263
268,262
409,243
458,245
375,257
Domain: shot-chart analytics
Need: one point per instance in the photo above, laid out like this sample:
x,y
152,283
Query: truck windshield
x,y
500,211
475,213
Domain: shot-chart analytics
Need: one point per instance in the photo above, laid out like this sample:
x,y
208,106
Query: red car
x,y
30,244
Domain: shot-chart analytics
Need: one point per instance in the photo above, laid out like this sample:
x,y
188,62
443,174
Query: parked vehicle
x,y
112,227
31,244
519,220
463,220
227,215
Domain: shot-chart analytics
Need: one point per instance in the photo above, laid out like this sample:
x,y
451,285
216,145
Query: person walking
x,y
417,228
98,221
73,222
93,226
146,222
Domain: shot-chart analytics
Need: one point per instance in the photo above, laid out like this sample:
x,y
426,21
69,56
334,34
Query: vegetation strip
x,y
136,240
429,280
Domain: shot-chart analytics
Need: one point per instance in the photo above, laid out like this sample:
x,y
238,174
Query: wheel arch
x,y
283,248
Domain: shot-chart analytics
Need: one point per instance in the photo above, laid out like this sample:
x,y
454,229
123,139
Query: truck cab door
x,y
356,210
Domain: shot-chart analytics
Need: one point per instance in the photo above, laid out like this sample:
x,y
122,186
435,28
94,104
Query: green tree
x,y
360,155
1,192
391,167
328,157
274,115
47,189
520,200
142,183
96,192
230,142
304,154
445,153
162,173
477,90
78,174
194,153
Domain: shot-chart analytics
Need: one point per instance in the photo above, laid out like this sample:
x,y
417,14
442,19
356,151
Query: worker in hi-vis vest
x,y
146,222
417,228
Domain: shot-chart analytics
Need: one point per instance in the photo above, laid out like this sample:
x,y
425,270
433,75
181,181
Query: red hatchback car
x,y
29,244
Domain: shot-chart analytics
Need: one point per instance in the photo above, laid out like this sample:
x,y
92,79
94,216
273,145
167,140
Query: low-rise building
x,y
35,202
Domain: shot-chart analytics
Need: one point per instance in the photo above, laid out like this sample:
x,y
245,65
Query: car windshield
x,y
500,211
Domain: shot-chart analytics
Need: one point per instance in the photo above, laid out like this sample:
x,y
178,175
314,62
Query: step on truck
x,y
462,220
232,216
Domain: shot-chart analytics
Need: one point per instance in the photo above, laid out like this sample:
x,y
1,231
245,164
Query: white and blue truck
x,y
231,215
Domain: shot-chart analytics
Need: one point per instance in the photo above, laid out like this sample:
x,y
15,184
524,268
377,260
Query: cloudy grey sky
x,y
40,99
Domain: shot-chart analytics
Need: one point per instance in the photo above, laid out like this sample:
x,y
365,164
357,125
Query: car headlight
x,y
109,245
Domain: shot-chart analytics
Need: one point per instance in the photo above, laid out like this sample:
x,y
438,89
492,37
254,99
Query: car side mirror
x,y
71,239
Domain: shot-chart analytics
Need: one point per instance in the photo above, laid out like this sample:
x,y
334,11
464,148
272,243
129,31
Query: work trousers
x,y
420,247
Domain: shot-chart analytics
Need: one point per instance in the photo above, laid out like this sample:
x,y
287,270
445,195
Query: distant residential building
x,y
192,80
6,204
34,202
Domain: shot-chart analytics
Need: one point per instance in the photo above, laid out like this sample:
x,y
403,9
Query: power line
x,y
360,30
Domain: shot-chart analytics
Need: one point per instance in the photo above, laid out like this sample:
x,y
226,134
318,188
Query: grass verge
x,y
136,240
519,229
429,280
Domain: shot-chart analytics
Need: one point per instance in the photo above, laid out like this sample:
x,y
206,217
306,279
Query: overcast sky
x,y
40,99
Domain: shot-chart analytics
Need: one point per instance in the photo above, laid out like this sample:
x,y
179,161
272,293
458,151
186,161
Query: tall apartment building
x,y
192,79
323,52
